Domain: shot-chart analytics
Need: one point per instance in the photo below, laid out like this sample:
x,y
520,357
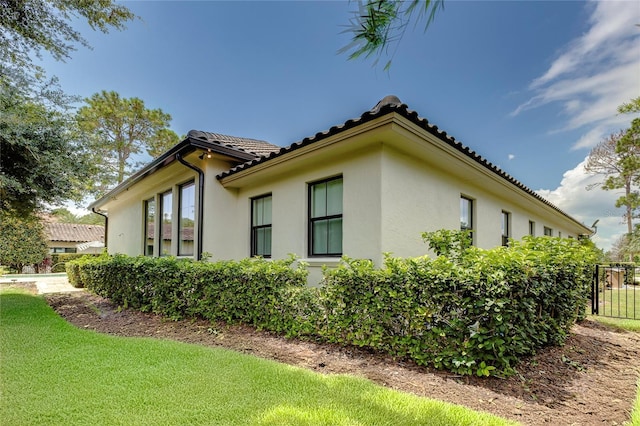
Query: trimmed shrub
x,y
476,315
73,267
252,291
473,312
59,260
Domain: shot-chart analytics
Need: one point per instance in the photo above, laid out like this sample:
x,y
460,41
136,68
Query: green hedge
x,y
474,312
59,260
478,313
250,291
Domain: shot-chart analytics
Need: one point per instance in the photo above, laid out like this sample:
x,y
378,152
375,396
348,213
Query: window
x,y
149,226
186,219
466,214
532,228
63,250
548,231
325,217
166,213
261,226
506,228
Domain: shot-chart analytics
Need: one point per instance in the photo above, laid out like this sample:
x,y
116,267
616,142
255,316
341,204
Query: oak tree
x,y
41,160
28,28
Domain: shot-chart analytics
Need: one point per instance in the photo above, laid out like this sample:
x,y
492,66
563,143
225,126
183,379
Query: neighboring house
x,y
74,238
368,186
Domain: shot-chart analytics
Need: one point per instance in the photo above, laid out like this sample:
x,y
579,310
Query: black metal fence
x,y
615,292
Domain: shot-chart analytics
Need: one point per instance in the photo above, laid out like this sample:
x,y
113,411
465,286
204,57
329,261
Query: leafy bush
x,y
59,260
476,313
251,291
473,312
73,266
22,241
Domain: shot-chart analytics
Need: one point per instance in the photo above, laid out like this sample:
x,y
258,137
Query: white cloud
x,y
590,77
588,206
590,139
594,73
511,157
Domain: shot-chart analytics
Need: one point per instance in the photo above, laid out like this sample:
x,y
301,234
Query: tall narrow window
x,y
325,217
548,231
166,209
149,226
186,218
466,214
506,228
532,228
261,226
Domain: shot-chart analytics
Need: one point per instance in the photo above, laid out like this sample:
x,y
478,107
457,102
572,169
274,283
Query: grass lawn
x,y
621,303
53,373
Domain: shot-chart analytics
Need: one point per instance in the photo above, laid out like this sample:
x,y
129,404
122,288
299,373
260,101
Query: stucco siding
x,y
126,212
125,232
419,195
360,170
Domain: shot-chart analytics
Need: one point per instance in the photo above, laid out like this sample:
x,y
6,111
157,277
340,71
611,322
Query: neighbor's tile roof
x,y
254,146
74,232
187,233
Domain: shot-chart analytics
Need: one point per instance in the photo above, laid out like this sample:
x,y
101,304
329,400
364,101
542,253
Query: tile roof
x,y
74,232
387,105
254,146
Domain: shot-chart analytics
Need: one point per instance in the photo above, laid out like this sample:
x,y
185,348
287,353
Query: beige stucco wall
x,y
125,232
421,195
361,205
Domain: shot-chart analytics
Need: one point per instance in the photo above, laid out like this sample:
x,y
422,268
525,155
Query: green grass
x,y
53,373
618,323
635,414
620,303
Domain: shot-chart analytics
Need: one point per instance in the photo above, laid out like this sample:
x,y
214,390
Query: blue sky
x,y
531,86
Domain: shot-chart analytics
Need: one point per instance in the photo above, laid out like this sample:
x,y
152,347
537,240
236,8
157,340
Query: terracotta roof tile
x,y
74,232
254,146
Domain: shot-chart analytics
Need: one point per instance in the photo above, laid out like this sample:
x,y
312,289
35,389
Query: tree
x,y
618,158
40,159
63,215
116,128
379,23
165,139
618,250
609,160
22,242
31,27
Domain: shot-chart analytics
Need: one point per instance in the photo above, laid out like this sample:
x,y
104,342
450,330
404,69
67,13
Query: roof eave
x,y
183,148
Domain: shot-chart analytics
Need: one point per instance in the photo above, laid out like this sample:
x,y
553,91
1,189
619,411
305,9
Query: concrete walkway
x,y
46,283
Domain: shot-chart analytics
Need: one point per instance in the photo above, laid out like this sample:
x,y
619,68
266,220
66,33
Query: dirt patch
x,y
589,381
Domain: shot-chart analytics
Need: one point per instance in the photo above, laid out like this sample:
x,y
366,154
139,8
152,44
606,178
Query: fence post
x,y
595,302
